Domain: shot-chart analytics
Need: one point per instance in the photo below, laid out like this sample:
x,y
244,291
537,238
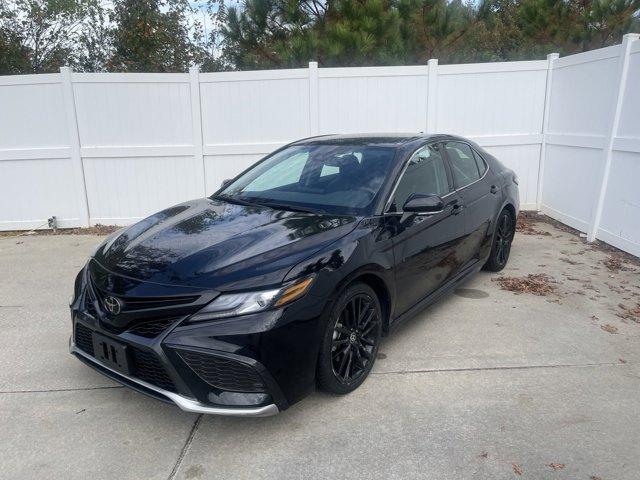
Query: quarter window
x,y
482,166
425,174
463,163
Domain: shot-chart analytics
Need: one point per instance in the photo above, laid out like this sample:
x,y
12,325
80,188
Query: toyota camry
x,y
287,278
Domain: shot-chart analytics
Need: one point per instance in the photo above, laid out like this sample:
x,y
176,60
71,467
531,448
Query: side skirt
x,y
436,295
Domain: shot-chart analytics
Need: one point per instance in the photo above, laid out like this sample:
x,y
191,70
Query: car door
x,y
425,246
480,194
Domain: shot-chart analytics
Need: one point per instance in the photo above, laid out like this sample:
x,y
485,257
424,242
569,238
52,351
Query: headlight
x,y
234,304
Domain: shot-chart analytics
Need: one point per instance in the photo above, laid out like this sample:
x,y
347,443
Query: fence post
x,y
623,68
432,96
196,122
314,112
552,57
74,143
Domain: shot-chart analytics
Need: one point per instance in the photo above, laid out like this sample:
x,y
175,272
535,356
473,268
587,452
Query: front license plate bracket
x,y
111,353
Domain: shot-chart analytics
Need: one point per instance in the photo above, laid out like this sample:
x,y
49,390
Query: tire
x,y
349,348
501,242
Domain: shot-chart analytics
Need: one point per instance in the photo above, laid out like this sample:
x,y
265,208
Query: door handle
x,y
493,189
457,208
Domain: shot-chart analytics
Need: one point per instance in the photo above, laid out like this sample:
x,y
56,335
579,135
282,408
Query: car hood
x,y
214,244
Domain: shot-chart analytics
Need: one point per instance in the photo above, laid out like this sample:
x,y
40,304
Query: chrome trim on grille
x,y
184,403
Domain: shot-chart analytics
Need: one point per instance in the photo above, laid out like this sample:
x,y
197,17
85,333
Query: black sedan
x,y
288,276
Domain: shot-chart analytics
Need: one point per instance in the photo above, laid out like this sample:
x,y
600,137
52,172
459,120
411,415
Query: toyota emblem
x,y
113,305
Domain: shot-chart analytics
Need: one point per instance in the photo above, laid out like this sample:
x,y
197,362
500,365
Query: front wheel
x,y
502,238
350,341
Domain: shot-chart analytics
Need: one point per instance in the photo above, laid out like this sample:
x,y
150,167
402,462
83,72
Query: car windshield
x,y
335,179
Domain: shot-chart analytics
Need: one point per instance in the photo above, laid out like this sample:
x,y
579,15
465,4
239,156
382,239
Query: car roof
x,y
376,139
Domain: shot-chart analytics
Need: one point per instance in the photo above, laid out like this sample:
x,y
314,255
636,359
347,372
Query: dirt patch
x,y
570,262
526,225
95,230
629,313
617,262
609,328
539,217
535,283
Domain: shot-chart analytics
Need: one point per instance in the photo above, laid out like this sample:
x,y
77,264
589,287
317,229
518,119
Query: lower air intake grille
x,y
84,339
151,329
149,369
222,373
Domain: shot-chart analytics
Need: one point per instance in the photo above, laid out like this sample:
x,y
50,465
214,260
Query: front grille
x,y
222,373
152,329
84,339
148,368
133,304
145,303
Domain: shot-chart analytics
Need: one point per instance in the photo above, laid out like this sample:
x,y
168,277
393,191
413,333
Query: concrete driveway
x,y
486,384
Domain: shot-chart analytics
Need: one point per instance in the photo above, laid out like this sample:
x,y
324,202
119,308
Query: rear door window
x,y
463,163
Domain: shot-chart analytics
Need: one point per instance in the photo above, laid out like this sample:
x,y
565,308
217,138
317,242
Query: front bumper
x,y
251,365
254,365
185,403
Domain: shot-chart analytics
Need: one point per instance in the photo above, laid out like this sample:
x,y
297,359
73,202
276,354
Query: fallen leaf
x,y
594,477
556,466
622,360
609,328
483,455
537,284
517,469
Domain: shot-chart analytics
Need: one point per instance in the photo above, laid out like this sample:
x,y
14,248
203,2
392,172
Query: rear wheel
x,y
351,339
502,238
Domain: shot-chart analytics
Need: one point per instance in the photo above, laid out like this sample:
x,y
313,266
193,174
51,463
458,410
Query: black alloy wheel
x,y
502,238
351,340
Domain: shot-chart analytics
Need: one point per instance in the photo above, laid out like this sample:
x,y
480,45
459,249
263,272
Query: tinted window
x,y
463,163
284,173
482,166
339,179
425,174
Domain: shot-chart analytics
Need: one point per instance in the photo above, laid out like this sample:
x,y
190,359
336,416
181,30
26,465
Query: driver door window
x,y
425,174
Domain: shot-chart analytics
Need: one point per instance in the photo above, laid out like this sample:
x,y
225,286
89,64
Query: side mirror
x,y
226,182
423,204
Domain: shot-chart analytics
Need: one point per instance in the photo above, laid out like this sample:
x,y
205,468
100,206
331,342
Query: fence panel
x,y
36,172
620,223
136,137
579,117
374,99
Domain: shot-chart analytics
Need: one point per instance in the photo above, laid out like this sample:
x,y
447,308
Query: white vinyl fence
x,y
113,148
591,163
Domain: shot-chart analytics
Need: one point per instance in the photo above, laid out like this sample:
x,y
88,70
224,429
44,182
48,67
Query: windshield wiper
x,y
291,208
273,205
239,201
